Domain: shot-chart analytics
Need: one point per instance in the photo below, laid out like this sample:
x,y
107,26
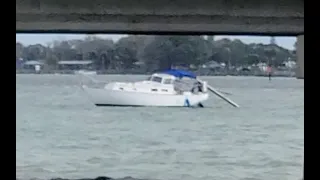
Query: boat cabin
x,y
168,82
162,78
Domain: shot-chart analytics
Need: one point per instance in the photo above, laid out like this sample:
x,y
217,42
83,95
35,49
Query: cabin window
x,y
164,90
156,79
154,89
167,81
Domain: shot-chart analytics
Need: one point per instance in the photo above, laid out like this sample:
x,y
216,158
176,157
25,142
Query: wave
x,y
97,178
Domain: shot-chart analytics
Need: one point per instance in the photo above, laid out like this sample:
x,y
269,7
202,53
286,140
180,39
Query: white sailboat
x,y
169,88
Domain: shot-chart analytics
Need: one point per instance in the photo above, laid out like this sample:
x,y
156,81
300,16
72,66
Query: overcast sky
x,y
27,39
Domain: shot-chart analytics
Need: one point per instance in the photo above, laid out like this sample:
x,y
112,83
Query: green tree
x,y
165,51
157,52
19,50
126,50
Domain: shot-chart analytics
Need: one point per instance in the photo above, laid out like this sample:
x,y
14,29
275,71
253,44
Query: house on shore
x,y
36,65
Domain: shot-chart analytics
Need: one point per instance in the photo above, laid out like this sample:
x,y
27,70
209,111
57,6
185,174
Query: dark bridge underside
x,y
155,24
232,17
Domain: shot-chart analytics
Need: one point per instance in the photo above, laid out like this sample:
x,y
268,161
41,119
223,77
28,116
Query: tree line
x,y
156,52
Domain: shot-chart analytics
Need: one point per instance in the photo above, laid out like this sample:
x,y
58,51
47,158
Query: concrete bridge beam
x,y
169,16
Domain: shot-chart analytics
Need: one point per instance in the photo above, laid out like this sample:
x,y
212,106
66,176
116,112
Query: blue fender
x,y
186,102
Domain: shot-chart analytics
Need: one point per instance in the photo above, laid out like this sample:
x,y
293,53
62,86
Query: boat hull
x,y
106,97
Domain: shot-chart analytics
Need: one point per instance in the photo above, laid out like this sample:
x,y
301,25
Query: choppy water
x,y
61,134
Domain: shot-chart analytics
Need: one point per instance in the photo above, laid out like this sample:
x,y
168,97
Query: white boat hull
x,y
108,97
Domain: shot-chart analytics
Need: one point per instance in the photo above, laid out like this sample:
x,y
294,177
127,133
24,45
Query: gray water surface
x,y
59,133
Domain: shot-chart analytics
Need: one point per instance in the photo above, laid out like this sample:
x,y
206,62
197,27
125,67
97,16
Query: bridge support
x,y
300,57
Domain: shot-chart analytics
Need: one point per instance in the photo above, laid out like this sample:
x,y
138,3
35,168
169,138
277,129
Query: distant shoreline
x,y
288,75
